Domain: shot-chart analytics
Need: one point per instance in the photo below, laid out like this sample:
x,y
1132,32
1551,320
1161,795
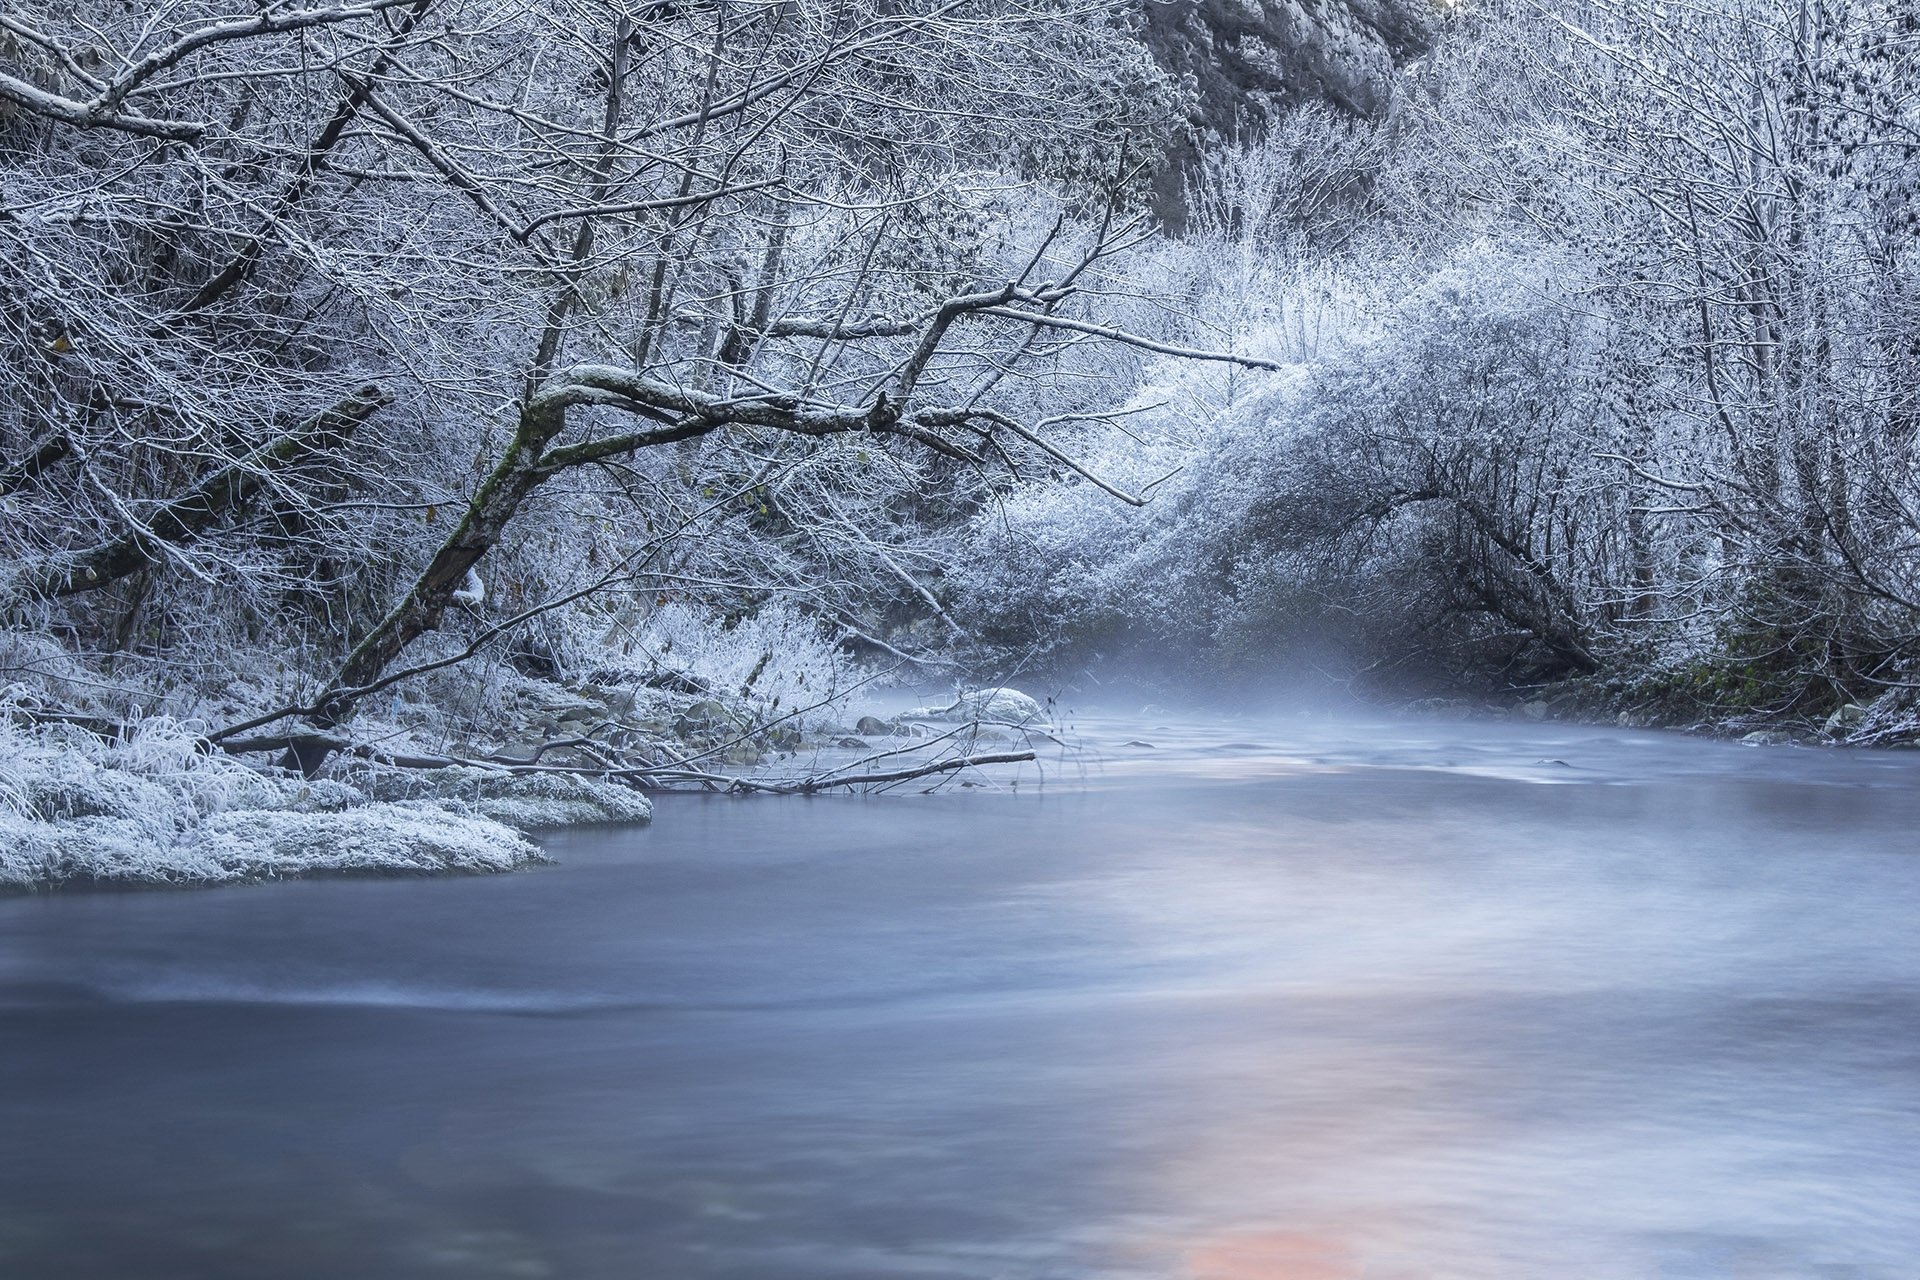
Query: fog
x,y
1278,997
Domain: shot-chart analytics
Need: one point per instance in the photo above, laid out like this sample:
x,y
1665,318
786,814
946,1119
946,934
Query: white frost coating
x,y
998,706
257,844
375,837
472,590
524,801
155,809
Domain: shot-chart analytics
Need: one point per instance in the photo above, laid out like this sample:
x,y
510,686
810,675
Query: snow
x,y
523,801
998,706
156,809
257,844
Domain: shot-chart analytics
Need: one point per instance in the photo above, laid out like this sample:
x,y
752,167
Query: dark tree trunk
x,y
185,518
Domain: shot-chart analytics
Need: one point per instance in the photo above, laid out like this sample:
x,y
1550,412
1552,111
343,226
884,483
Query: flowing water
x,y
1286,1000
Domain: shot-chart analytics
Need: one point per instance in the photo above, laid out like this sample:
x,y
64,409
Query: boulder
x,y
999,706
1766,738
1845,719
873,725
548,710
616,701
708,717
1439,706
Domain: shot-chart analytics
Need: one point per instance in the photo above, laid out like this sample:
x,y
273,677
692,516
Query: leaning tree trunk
x,y
485,521
185,518
517,474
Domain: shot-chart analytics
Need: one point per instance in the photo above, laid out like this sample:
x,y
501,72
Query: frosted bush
x,y
89,792
26,850
254,844
778,661
156,777
38,665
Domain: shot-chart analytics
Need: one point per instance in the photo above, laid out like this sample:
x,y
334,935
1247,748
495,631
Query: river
x,y
1284,999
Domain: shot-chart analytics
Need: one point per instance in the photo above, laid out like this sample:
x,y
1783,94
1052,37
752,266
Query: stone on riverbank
x,y
998,706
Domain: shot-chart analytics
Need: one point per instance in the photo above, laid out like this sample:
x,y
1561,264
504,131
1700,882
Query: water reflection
x,y
1337,1002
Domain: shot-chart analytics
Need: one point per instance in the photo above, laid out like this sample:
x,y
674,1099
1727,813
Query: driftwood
x,y
300,746
821,782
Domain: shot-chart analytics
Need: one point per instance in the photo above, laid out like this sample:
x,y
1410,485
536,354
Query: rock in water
x,y
1846,719
999,706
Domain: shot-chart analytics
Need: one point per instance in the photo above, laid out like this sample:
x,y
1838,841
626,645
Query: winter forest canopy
x,y
632,387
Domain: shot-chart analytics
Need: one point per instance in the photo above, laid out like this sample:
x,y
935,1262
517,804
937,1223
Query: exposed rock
x,y
707,717
1277,52
873,725
1249,59
999,706
1845,719
548,709
616,701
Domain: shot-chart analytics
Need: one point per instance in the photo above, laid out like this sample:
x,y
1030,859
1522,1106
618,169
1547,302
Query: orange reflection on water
x,y
1274,1255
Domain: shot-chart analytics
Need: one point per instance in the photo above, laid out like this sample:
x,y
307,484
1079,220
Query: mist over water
x,y
1280,998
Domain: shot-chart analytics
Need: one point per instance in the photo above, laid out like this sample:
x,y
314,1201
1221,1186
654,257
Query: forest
x,y
427,420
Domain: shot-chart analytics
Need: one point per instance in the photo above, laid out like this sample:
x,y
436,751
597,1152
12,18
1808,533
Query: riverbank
x,y
153,802
155,808
1698,703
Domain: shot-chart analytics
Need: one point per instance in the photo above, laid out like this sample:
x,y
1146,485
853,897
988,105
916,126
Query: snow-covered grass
x,y
257,844
522,801
153,808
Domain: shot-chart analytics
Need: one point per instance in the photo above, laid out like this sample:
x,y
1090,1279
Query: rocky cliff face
x,y
1262,53
1247,59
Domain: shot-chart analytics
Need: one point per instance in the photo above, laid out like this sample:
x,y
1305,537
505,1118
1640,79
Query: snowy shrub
x,y
33,663
778,661
254,844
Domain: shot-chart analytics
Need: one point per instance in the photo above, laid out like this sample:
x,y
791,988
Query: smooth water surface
x,y
1260,1001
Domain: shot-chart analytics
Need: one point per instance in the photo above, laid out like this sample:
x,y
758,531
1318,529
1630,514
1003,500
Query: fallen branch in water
x,y
821,781
642,777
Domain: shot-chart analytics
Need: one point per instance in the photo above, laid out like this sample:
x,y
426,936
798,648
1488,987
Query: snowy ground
x,y
156,809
